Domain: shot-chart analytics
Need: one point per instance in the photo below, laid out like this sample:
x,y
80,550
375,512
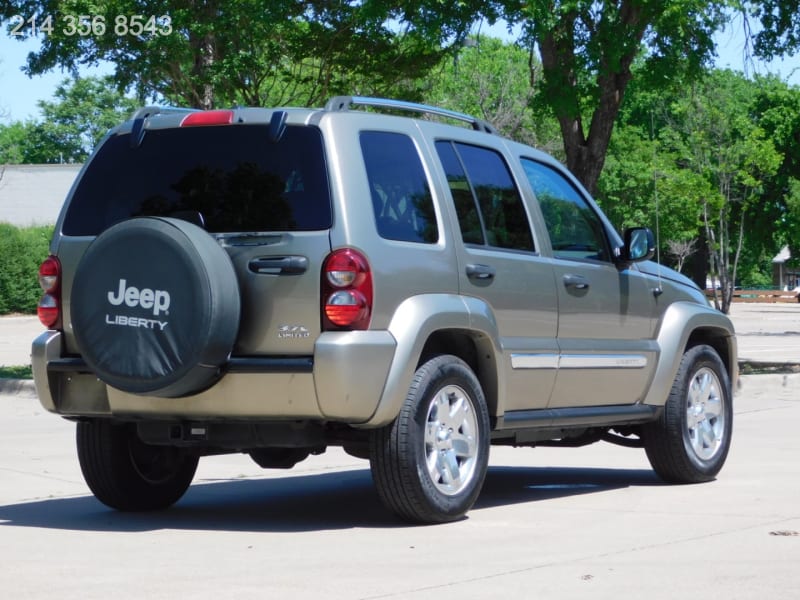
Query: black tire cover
x,y
155,307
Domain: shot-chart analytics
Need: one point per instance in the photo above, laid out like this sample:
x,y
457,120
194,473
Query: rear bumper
x,y
343,382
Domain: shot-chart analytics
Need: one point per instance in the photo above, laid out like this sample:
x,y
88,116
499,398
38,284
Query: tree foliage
x,y
492,79
780,26
205,53
588,50
72,123
712,164
776,109
15,144
21,252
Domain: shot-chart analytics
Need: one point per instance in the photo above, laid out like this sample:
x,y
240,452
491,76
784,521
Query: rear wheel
x,y
125,473
689,443
430,463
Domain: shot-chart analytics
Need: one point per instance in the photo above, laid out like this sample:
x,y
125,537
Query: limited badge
x,y
293,331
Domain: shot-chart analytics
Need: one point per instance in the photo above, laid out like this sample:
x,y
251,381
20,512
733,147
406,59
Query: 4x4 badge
x,y
293,331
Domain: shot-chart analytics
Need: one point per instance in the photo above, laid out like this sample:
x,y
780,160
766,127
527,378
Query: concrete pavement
x,y
767,333
16,334
590,522
550,523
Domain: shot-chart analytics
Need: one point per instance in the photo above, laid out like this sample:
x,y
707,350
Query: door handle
x,y
279,265
579,282
480,272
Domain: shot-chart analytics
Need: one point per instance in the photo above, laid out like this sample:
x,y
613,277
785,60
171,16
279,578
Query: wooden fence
x,y
771,296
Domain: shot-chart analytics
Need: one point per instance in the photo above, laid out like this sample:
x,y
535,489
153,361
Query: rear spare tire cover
x,y
155,307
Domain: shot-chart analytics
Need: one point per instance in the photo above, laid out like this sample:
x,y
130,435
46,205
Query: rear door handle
x,y
578,282
480,272
279,265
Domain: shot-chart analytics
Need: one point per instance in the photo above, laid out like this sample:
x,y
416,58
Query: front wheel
x,y
430,463
689,442
125,473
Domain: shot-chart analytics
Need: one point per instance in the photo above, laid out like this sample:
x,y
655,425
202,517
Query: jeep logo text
x,y
158,300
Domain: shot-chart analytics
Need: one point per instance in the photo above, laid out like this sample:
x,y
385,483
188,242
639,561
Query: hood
x,y
651,268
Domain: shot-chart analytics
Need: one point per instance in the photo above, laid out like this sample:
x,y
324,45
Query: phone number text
x,y
91,25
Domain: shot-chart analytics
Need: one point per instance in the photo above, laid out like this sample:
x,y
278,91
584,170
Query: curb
x,y
18,387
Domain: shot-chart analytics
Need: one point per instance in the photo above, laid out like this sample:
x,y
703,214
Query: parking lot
x,y
550,523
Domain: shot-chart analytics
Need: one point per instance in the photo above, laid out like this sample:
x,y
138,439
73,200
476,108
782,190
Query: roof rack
x,y
343,103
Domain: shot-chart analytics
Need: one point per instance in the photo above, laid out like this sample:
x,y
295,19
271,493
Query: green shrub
x,y
21,372
21,252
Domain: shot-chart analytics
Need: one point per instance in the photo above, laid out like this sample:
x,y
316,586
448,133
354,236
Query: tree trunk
x,y
619,46
204,51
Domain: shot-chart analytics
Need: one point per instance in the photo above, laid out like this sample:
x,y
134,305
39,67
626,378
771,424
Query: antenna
x,y
660,289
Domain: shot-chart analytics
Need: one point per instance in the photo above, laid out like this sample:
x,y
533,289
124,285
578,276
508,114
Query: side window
x,y
401,197
576,231
467,210
489,206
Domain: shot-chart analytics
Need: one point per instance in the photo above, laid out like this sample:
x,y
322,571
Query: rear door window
x,y
489,206
230,179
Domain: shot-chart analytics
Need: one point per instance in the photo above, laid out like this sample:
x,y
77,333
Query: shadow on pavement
x,y
329,501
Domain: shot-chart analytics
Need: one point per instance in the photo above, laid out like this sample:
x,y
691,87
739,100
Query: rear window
x,y
228,178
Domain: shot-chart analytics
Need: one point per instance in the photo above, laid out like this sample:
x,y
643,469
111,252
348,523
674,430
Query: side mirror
x,y
640,244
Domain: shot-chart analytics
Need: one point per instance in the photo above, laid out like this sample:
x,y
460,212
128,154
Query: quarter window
x,y
489,206
401,198
576,231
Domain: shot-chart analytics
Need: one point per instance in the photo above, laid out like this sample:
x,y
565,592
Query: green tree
x,y
80,114
14,143
715,137
776,109
780,26
204,53
493,80
588,50
644,184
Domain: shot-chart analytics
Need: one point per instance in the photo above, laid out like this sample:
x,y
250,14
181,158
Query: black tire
x,y
126,474
690,441
400,452
155,307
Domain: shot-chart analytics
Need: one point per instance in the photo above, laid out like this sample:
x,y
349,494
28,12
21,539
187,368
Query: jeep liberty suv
x,y
392,278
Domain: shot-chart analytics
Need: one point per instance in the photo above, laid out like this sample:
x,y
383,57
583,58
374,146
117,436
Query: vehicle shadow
x,y
329,501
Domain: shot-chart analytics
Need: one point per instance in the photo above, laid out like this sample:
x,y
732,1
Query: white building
x,y
785,274
33,194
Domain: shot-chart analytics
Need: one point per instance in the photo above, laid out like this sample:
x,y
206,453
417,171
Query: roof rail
x,y
149,111
342,103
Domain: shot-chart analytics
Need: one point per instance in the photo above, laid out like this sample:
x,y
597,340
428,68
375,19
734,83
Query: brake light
x,y
49,309
208,117
346,290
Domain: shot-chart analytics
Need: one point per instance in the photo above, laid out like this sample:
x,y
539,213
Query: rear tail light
x,y
49,309
346,291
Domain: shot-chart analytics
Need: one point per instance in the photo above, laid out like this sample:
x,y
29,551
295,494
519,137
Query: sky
x,y
19,93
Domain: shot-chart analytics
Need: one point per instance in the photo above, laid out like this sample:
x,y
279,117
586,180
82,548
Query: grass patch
x,y
16,372
767,368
